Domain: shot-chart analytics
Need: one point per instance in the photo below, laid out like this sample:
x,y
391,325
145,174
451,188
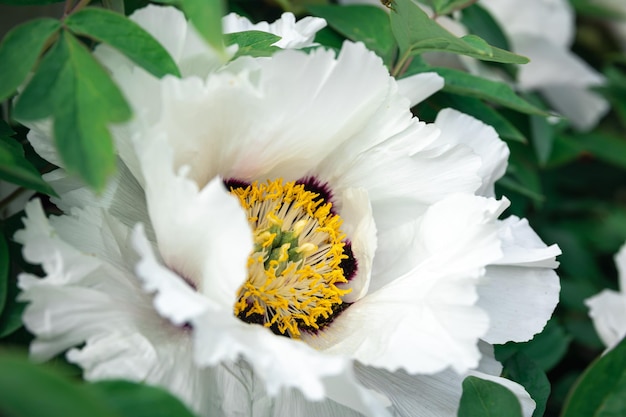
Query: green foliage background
x,y
570,185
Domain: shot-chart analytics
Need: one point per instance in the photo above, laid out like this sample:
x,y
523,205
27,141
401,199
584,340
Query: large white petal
x,y
202,234
426,320
522,286
459,128
419,87
280,362
436,395
607,311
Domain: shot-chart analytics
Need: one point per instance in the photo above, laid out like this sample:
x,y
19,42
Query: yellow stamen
x,y
294,269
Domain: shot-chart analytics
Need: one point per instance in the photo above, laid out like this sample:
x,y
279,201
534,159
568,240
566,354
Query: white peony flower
x,y
284,238
608,308
543,30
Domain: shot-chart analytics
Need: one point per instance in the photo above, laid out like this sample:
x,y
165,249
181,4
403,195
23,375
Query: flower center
x,y
295,265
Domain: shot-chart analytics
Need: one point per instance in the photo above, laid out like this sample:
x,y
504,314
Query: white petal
x,y
436,395
582,107
523,247
620,263
459,128
174,298
607,311
360,227
522,286
419,87
426,320
281,135
293,34
279,362
552,20
202,234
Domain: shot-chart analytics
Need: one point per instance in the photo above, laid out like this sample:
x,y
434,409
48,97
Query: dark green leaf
x,y
416,33
15,168
253,43
481,111
76,90
487,399
361,23
19,51
464,84
11,315
206,17
521,369
130,399
601,389
546,349
35,391
606,147
542,135
481,23
4,272
124,35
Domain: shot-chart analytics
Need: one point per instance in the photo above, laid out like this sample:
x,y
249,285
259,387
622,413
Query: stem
x,y
77,7
400,65
15,194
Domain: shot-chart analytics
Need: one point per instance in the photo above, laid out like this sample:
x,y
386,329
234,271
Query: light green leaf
x,y
487,399
19,51
601,389
130,399
124,35
36,391
416,33
206,17
604,146
4,272
361,23
15,168
521,369
253,43
75,89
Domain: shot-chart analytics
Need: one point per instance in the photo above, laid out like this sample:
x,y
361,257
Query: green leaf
x,y
601,389
11,315
19,51
546,349
524,371
542,135
481,23
464,84
76,90
15,168
416,33
253,43
487,399
36,391
124,35
604,146
475,107
361,23
130,399
4,272
206,17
